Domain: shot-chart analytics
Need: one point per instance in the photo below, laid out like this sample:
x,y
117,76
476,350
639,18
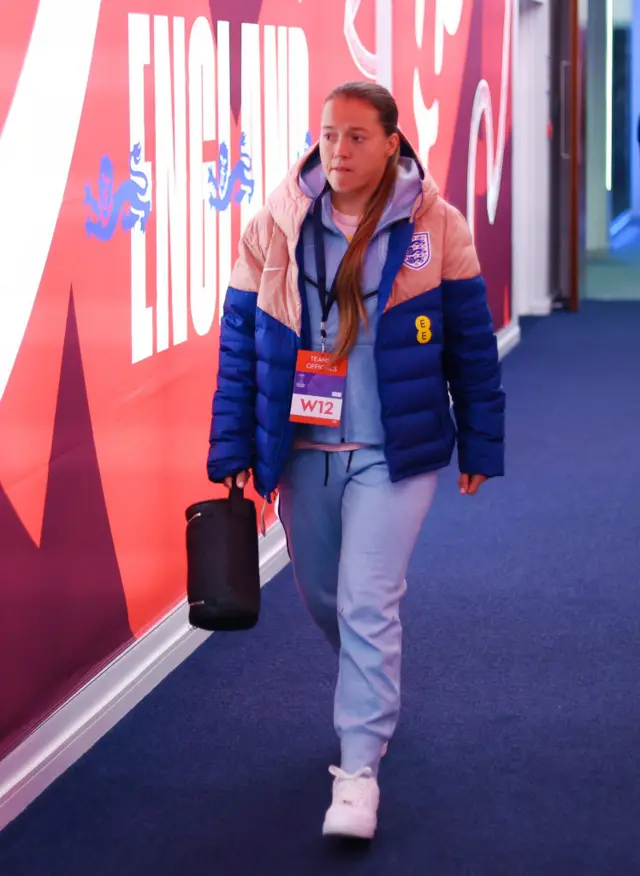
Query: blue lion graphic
x,y
126,199
308,142
237,183
224,184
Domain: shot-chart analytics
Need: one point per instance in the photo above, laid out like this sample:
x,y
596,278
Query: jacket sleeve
x,y
471,363
232,434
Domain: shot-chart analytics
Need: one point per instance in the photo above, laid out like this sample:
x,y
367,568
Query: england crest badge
x,y
419,252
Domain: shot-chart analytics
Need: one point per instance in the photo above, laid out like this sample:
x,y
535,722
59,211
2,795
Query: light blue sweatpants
x,y
350,534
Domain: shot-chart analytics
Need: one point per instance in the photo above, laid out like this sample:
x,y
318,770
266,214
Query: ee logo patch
x,y
423,324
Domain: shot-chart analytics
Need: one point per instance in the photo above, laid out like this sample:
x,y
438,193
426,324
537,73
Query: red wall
x,y
109,340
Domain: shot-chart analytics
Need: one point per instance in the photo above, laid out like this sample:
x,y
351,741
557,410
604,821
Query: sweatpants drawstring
x,y
327,455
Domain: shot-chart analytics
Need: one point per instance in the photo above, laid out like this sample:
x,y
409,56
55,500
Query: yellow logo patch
x,y
423,324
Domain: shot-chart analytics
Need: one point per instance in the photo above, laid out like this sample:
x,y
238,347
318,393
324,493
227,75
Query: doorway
x,y
566,171
595,168
611,253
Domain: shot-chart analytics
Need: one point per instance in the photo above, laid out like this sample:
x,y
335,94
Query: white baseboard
x,y
81,721
78,724
541,307
508,338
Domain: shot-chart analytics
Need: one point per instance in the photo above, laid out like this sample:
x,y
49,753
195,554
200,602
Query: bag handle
x,y
236,493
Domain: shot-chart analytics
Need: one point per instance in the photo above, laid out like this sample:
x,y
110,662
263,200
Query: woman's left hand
x,y
470,484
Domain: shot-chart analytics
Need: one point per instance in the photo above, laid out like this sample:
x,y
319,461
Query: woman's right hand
x,y
242,479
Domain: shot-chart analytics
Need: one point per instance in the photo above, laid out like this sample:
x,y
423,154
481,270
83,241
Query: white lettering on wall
x,y
224,136
483,109
251,95
171,180
298,91
275,106
194,199
141,314
202,128
448,17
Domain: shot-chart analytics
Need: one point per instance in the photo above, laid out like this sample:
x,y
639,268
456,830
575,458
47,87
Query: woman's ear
x,y
393,145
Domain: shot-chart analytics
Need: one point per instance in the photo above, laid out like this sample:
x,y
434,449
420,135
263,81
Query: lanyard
x,y
327,298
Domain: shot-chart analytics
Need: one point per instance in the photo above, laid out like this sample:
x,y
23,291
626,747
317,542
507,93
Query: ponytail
x,y
349,281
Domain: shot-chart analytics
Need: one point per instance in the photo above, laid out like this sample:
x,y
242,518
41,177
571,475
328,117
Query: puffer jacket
x,y
434,338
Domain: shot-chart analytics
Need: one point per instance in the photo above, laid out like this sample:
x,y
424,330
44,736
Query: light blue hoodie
x,y
361,415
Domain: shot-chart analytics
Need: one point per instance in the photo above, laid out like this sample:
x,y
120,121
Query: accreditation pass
x,y
318,389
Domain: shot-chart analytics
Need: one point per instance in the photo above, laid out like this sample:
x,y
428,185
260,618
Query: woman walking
x,y
355,307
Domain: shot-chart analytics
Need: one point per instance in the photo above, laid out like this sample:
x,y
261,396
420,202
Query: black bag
x,y
223,563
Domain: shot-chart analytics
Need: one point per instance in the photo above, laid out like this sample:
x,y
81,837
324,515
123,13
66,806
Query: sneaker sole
x,y
358,828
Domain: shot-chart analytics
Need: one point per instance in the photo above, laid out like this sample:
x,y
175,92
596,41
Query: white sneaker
x,y
354,810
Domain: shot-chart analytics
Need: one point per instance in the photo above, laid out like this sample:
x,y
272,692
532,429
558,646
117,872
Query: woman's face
x,y
354,147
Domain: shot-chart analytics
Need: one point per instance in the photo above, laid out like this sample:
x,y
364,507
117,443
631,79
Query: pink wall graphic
x,y
172,123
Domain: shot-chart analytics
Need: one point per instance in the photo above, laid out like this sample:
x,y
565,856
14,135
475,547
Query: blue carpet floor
x,y
518,752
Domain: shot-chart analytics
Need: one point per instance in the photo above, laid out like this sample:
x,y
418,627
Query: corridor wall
x,y
137,141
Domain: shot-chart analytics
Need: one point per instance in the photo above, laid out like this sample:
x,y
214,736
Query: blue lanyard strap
x,y
327,298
